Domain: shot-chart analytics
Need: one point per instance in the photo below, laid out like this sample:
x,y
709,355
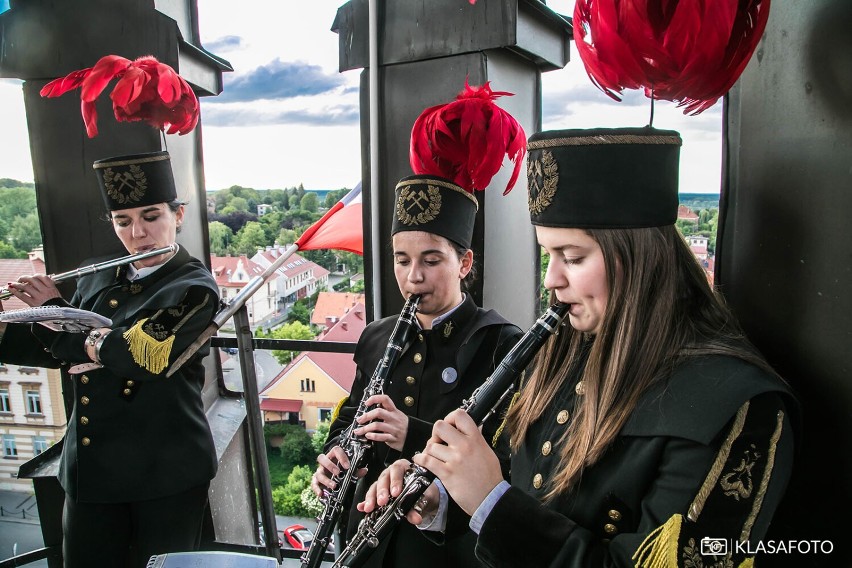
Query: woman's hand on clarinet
x,y
385,423
462,459
389,484
34,290
330,465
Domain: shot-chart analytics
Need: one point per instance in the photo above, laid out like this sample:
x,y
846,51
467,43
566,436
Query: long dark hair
x,y
661,309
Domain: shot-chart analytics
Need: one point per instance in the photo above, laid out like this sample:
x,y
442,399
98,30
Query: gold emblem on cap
x,y
125,186
416,206
542,178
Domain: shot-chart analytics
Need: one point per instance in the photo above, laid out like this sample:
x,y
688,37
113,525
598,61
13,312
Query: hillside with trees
x,y
20,231
236,228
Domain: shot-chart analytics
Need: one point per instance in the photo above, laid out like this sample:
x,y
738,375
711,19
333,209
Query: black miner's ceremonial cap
x,y
434,205
136,180
603,178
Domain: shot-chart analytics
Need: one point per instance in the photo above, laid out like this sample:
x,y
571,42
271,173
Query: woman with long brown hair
x,y
650,432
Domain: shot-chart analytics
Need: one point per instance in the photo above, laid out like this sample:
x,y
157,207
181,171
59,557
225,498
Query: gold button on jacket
x,y
113,303
614,515
85,441
537,481
409,401
418,357
84,400
562,417
84,379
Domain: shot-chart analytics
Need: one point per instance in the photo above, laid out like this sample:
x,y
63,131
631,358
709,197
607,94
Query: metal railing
x,y
245,344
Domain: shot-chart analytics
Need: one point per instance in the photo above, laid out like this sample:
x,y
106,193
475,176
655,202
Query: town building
x,y
308,389
298,277
233,273
32,412
331,307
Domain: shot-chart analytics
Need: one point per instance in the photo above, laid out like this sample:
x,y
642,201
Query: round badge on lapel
x,y
449,375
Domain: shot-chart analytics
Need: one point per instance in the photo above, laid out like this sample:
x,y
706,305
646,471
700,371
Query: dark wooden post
x,y
426,50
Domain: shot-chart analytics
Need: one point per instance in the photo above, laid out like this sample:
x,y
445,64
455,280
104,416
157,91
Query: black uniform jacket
x,y
703,461
133,434
441,368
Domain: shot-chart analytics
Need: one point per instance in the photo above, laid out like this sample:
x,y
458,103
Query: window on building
x,y
5,402
324,414
39,445
10,450
313,386
33,402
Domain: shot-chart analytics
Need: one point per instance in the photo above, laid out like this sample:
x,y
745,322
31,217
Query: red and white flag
x,y
340,228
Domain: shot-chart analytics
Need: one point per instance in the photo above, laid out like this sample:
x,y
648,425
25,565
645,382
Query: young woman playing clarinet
x,y
650,432
138,455
457,344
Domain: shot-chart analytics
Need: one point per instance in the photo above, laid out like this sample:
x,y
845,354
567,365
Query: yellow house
x,y
307,390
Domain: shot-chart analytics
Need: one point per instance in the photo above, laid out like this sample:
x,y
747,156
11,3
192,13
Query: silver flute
x,y
484,401
357,447
92,268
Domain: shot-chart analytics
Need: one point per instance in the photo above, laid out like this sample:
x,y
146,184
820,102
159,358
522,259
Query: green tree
x,y
294,202
297,448
293,330
287,500
300,313
239,204
309,202
221,237
8,251
319,436
25,232
250,238
286,236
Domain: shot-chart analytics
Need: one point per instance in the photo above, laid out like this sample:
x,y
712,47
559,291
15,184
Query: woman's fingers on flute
x,y
34,290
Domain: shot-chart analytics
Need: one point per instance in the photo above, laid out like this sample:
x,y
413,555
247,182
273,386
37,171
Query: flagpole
x,y
375,238
235,304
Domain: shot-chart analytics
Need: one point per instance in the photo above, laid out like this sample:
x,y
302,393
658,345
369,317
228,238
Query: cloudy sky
x,y
286,108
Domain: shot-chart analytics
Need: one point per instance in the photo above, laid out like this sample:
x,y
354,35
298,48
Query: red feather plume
x,y
687,51
146,90
466,140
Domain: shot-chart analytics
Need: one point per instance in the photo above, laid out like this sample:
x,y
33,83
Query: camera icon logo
x,y
713,546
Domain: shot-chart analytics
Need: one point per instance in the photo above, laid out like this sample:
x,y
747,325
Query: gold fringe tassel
x,y
336,412
659,549
499,431
148,353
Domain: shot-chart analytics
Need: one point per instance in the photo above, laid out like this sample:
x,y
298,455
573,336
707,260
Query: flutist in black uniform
x,y
456,348
138,455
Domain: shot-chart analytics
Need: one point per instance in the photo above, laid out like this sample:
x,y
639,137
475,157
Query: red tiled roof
x,y
13,268
334,305
294,266
280,405
224,266
350,326
684,212
340,367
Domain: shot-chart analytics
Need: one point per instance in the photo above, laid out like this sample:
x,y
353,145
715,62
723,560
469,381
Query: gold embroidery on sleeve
x,y
764,483
716,470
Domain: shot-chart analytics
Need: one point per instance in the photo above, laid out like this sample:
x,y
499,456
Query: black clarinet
x,y
357,447
484,401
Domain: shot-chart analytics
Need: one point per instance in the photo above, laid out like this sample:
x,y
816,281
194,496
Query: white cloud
x,y
309,135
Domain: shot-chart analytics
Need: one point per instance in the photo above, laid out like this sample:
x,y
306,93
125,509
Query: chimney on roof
x,y
344,325
359,314
36,253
